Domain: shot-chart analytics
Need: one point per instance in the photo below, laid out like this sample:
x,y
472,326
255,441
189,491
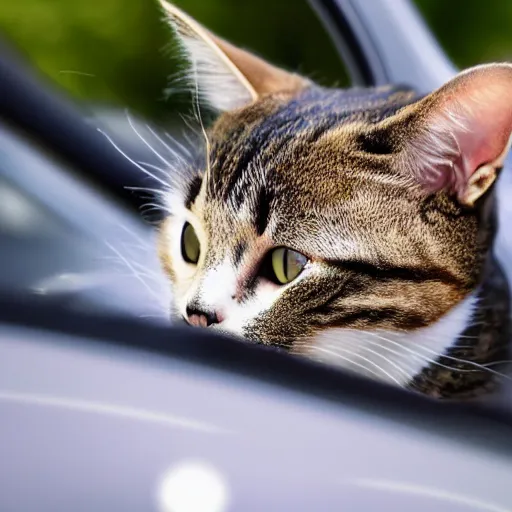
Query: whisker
x,y
153,316
155,191
407,374
140,273
144,141
154,206
151,175
187,134
136,274
208,147
143,271
133,246
343,349
479,366
446,356
165,172
173,152
355,363
416,356
348,343
174,174
495,363
475,323
134,235
179,144
73,72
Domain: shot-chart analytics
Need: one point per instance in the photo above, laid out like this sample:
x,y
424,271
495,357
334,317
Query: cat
x,y
350,226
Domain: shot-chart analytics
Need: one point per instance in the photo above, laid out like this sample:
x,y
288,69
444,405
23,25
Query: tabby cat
x,y
351,226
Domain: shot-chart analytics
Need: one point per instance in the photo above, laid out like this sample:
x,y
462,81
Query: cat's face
x,y
343,225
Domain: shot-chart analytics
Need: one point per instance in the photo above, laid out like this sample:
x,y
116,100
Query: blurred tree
x,y
112,51
100,50
471,31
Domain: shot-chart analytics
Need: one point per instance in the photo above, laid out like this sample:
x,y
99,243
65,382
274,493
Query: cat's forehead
x,y
284,142
293,170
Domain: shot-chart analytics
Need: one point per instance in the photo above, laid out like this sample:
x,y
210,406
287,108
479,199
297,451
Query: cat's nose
x,y
200,318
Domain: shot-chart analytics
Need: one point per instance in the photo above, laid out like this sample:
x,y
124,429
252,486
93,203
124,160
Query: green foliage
x,y
101,50
112,51
471,31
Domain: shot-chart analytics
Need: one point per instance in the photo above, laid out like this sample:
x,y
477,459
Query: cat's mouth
x,y
220,329
214,328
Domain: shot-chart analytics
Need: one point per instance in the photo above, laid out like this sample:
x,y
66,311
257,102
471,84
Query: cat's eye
x,y
190,247
287,264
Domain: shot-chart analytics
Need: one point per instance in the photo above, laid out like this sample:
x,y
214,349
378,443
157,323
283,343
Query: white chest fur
x,y
393,357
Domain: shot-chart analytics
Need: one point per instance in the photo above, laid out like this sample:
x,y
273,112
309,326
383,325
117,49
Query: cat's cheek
x,y
181,274
395,357
241,318
182,282
253,320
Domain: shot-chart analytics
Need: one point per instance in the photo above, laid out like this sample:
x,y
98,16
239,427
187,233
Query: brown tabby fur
x,y
328,187
321,171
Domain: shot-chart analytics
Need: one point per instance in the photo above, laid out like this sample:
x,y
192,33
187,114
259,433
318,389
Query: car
x,y
105,406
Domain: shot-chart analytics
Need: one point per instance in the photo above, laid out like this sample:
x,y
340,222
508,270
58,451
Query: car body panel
x,y
113,427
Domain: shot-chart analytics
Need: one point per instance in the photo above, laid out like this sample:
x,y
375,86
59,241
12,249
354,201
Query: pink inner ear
x,y
489,132
469,126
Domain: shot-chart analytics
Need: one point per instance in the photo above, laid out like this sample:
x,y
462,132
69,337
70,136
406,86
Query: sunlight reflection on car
x,y
193,486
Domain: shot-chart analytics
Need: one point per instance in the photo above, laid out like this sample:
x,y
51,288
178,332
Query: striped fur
x,y
327,172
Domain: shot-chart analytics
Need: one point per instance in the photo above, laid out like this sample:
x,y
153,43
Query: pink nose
x,y
203,318
198,320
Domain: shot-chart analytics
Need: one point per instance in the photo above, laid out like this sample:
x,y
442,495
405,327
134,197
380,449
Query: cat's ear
x,y
227,77
460,134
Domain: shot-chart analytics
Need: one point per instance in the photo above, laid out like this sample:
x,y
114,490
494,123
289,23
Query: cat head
x,y
328,221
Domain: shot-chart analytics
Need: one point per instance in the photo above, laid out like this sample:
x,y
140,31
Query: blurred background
x,y
112,53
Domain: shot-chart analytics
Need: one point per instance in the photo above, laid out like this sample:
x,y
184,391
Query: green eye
x,y
287,264
190,248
